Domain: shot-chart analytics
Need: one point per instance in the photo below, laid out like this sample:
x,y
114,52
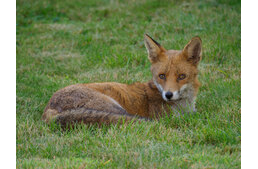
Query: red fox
x,y
173,89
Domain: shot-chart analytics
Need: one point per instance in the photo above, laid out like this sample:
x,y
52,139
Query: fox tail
x,y
88,116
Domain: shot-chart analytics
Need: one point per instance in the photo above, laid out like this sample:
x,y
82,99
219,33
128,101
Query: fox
x,y
172,89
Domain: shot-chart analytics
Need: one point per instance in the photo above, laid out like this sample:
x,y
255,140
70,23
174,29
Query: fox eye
x,y
162,76
181,77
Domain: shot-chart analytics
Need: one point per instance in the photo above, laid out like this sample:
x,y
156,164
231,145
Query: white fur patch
x,y
183,87
164,96
160,88
115,102
177,94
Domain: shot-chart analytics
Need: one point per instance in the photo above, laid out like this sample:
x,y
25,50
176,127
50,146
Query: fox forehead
x,y
172,53
173,64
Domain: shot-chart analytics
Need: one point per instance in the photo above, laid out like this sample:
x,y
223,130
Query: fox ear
x,y
193,50
153,47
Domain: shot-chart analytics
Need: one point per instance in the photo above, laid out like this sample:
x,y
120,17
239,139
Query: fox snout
x,y
169,96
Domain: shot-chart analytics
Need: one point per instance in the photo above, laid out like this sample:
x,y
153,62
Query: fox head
x,y
175,71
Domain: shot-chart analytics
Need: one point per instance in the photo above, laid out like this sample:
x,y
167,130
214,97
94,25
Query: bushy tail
x,y
87,116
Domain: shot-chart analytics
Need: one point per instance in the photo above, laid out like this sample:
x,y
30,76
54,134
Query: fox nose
x,y
169,95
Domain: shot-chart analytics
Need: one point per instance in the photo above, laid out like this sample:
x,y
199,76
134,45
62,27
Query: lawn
x,y
60,43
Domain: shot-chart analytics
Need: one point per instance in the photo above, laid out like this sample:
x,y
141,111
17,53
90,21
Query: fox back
x,y
172,89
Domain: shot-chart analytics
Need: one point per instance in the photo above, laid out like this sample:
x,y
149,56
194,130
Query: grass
x,y
66,42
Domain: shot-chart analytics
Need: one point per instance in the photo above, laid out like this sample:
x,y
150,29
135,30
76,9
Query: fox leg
x,y
78,103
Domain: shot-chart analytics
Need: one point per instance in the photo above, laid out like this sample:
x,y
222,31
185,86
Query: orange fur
x,y
174,72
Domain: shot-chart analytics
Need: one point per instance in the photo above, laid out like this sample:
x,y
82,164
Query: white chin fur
x,y
164,97
176,96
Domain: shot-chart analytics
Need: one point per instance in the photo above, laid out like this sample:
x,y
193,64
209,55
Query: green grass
x,y
66,42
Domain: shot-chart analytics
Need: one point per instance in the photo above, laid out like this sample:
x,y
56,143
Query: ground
x,y
67,42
